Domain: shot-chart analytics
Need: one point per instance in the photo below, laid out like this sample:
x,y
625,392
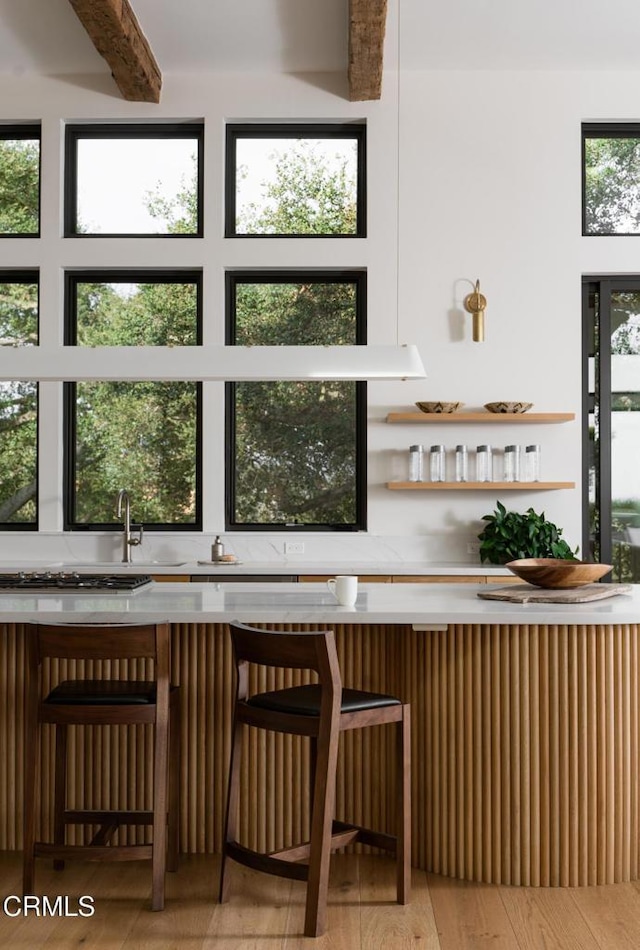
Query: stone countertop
x,y
275,568
416,568
309,603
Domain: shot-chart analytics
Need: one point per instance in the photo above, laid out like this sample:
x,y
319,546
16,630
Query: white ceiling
x,y
44,36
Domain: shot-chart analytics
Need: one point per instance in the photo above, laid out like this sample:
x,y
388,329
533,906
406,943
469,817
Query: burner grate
x,y
71,581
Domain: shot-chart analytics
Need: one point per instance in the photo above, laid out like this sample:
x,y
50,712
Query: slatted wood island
x,y
525,720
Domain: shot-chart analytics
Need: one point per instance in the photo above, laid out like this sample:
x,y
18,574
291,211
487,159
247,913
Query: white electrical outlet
x,y
294,547
473,547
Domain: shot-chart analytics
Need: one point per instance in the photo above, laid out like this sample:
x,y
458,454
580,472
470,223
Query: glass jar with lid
x,y
437,463
462,464
532,463
484,463
512,463
415,463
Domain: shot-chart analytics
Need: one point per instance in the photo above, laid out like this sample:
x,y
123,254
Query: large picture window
x,y
134,180
295,181
19,180
296,451
18,405
141,436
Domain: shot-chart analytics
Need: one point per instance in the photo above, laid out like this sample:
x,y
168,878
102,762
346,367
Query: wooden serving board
x,y
527,594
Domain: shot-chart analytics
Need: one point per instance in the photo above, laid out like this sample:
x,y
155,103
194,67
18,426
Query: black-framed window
x,y
296,451
19,180
19,306
143,436
610,178
611,438
295,180
134,180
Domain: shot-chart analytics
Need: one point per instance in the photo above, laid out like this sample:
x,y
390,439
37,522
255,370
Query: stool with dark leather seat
x,y
320,711
99,702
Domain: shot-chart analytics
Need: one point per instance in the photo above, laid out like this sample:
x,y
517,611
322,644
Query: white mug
x,y
344,588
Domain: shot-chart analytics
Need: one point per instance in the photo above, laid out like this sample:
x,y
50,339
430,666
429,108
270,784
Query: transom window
x,y
19,180
142,436
295,181
134,180
296,451
611,178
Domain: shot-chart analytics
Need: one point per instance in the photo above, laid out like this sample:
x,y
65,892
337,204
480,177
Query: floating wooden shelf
x,y
491,417
481,486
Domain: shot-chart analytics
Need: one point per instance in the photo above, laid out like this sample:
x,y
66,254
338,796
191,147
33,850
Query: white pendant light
x,y
208,363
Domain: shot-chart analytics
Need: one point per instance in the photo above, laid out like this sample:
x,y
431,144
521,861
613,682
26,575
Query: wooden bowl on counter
x,y
557,573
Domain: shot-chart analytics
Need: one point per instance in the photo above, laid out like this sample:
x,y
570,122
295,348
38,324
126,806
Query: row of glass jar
x,y
485,464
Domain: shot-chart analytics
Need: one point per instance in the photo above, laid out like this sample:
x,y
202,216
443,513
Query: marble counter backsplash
x,y
265,548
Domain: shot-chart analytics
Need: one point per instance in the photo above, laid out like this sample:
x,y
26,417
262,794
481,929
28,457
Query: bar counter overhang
x,y
525,722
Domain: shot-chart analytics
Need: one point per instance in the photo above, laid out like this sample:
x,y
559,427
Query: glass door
x,y
612,424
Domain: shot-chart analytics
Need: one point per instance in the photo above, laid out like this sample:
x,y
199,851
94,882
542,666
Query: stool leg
x,y
60,790
231,817
321,828
313,758
403,806
29,818
173,826
160,768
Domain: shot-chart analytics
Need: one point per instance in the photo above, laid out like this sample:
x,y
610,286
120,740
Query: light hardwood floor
x,y
266,913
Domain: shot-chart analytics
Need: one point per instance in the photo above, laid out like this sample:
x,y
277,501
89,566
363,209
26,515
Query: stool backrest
x,y
300,650
99,641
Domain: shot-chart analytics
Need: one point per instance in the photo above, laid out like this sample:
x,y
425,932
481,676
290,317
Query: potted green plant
x,y
509,535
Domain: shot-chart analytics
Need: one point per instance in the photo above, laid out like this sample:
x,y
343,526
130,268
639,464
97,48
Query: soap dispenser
x,y
217,549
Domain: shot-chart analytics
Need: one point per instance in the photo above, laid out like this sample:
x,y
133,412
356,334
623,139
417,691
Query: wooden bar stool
x,y
99,702
321,712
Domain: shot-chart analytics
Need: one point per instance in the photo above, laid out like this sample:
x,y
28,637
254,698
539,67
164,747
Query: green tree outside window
x,y
18,407
19,186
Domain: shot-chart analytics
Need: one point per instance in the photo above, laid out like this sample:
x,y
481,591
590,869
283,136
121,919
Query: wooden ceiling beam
x,y
116,34
367,21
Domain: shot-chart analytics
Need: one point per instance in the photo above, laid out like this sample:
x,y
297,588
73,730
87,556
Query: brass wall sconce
x,y
476,304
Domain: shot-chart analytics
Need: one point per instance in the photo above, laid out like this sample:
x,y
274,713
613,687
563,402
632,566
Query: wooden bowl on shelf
x,y
557,573
439,406
508,407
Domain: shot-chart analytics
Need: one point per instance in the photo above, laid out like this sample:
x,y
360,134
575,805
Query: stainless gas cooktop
x,y
72,582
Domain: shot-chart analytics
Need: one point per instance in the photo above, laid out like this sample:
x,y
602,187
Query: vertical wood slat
x,y
484,761
536,766
494,829
582,740
553,783
634,757
609,759
512,676
593,831
435,822
573,762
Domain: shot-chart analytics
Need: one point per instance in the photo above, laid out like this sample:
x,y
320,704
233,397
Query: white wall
x,y
490,188
471,175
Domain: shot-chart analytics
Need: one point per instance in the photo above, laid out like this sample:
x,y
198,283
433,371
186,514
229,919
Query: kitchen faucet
x,y
123,510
